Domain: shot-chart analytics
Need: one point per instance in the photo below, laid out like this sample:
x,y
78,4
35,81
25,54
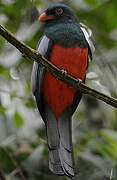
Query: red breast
x,y
57,94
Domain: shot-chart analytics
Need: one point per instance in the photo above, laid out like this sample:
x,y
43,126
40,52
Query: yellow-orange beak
x,y
44,17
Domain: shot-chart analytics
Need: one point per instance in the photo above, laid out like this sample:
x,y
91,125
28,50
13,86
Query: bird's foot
x,y
79,81
64,72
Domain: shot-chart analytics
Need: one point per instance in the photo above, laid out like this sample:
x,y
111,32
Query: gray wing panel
x,y
34,76
88,36
42,49
43,45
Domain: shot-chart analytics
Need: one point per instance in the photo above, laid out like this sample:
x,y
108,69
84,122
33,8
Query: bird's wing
x,y
88,36
44,47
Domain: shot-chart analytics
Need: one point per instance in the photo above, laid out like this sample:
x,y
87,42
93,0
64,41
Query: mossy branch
x,y
33,55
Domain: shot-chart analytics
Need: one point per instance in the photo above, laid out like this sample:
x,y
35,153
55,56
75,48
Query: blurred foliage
x,y
23,149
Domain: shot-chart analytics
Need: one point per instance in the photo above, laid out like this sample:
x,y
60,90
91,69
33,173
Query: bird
x,y
65,45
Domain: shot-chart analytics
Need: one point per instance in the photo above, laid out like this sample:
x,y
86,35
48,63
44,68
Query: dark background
x,y
23,148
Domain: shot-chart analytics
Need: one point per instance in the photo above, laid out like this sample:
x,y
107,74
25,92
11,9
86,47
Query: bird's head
x,y
62,26
57,13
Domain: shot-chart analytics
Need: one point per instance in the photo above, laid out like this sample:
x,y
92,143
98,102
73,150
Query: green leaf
x,y
2,110
18,120
6,162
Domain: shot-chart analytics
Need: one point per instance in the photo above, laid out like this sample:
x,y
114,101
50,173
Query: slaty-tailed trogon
x,y
64,45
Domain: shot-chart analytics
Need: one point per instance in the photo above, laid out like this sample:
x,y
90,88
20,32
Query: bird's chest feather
x,y
57,94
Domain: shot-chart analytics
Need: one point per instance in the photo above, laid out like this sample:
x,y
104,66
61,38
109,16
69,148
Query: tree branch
x,y
35,56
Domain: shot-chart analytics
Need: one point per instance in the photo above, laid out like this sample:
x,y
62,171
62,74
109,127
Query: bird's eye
x,y
59,11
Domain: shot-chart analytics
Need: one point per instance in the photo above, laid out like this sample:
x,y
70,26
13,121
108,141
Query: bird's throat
x,y
66,34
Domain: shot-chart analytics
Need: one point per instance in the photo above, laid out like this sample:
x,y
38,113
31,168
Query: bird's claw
x,y
79,81
64,72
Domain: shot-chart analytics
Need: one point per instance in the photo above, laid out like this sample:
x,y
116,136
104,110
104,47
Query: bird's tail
x,y
60,143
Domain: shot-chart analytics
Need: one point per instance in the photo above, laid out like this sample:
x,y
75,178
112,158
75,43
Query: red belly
x,y
57,94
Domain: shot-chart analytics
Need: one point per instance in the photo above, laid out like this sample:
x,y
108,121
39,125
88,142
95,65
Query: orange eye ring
x,y
59,11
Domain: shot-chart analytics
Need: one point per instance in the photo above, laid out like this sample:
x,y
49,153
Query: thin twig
x,y
14,172
16,164
111,174
33,55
